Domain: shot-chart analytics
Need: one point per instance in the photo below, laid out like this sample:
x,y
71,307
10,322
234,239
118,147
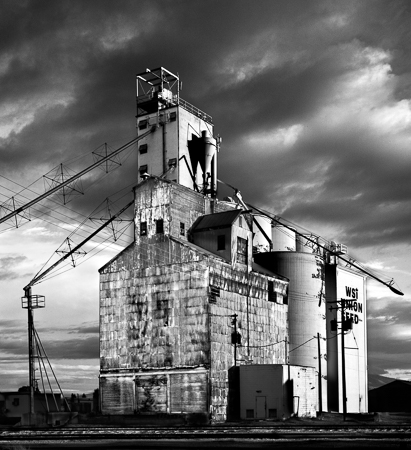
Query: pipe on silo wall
x,y
306,246
306,306
210,166
283,239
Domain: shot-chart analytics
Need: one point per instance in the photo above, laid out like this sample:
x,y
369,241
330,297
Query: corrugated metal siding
x,y
218,220
157,318
266,323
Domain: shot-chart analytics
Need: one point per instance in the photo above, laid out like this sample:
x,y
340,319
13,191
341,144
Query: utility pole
x,y
320,391
234,337
344,384
32,377
346,324
31,302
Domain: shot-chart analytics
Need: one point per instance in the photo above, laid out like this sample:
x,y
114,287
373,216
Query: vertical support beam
x,y
234,337
248,312
344,385
320,390
286,352
32,379
164,144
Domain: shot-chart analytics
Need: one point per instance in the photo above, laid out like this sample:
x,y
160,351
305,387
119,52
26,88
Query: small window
x,y
213,292
143,169
172,162
16,402
272,295
142,149
249,413
285,299
142,124
242,250
143,229
182,229
159,226
173,116
221,242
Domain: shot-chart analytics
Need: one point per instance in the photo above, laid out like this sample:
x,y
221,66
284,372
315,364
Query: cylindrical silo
x,y
283,239
261,232
305,244
306,306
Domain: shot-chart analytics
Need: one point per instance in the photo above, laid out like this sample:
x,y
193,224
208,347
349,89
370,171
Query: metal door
x,y
261,407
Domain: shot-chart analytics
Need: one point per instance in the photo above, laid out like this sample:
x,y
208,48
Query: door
x,y
260,407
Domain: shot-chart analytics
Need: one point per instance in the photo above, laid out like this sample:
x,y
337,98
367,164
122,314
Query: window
x,y
173,116
221,242
242,250
172,162
142,149
272,295
143,229
142,124
143,169
214,292
159,226
182,229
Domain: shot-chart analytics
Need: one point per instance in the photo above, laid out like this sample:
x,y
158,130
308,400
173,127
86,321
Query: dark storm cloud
x,y
79,81
301,138
14,345
86,348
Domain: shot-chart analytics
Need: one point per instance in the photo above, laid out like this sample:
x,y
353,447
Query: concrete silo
x,y
306,307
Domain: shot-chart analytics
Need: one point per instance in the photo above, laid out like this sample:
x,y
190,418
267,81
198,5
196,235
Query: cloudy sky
x,y
311,98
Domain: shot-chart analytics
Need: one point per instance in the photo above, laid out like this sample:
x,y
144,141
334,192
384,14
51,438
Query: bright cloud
x,y
275,140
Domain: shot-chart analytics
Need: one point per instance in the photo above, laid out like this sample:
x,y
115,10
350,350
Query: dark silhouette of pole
x,y
320,390
234,337
32,377
344,384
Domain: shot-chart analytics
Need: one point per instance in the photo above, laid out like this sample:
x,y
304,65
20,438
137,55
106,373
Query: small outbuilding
x,y
277,391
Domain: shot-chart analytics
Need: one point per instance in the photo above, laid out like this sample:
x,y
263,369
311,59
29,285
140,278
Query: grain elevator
x,y
211,293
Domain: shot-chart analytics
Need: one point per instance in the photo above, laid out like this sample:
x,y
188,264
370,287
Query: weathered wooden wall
x,y
154,317
164,392
159,323
262,324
